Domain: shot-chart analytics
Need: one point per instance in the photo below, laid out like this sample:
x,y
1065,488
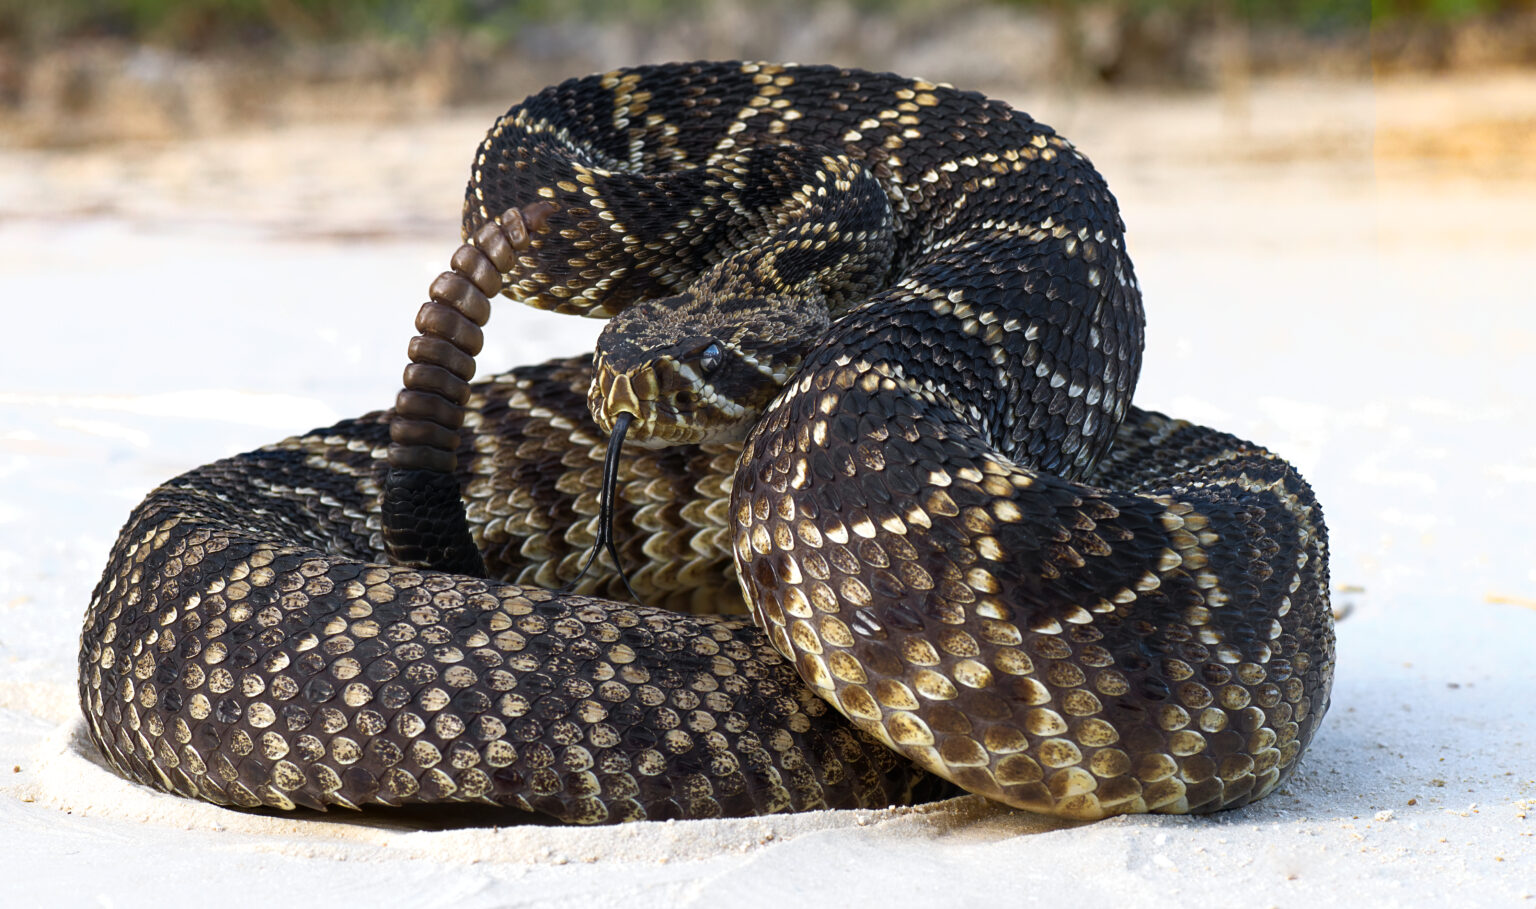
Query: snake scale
x,y
970,560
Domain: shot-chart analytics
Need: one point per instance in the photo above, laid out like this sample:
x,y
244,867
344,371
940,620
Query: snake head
x,y
694,370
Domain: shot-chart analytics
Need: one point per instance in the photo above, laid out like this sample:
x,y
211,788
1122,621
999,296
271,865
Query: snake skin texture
x,y
970,560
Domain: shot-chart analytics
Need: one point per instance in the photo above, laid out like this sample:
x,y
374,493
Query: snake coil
x,y
968,556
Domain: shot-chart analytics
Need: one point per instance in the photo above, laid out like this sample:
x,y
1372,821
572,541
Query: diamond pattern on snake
x,y
850,506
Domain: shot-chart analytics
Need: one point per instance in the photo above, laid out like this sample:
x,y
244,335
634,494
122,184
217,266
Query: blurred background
x,y
75,72
217,219
112,92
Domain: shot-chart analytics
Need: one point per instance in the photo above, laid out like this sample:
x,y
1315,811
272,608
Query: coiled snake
x,y
881,336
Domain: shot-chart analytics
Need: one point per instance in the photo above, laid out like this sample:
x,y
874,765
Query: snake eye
x,y
709,359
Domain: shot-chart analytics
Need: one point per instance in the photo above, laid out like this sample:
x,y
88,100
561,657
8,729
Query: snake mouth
x,y
655,419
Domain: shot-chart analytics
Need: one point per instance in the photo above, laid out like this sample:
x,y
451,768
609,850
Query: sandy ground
x,y
1341,271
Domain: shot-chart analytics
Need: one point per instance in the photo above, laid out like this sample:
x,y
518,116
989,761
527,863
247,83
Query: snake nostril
x,y
645,384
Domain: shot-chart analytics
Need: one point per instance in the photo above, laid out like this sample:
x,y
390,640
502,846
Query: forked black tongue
x,y
605,507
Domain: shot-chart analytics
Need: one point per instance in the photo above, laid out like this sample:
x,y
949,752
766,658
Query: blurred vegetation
x,y
199,24
78,72
204,24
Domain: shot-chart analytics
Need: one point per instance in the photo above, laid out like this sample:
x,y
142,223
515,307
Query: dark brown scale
x,y
952,525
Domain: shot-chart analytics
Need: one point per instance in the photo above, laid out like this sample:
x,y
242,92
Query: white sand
x,y
1313,281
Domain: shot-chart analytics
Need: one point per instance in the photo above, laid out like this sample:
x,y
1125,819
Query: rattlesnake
x,y
951,524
